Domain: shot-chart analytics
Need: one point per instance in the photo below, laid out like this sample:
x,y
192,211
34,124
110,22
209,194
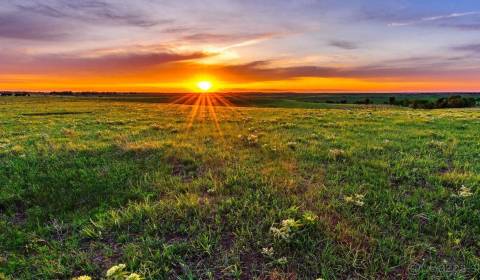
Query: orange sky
x,y
271,46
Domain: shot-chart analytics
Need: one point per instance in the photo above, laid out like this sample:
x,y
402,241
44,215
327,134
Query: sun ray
x,y
205,106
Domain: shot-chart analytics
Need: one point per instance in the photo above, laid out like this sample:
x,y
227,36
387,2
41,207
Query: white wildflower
x,y
268,251
282,261
279,233
115,270
288,226
357,199
83,277
310,218
133,276
465,192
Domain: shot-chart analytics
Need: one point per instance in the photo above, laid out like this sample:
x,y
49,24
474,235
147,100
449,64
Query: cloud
x,y
102,62
471,48
434,18
222,38
414,67
346,45
32,28
90,10
61,19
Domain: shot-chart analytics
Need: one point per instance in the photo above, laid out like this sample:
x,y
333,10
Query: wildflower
x,y
211,190
282,261
83,277
465,192
357,199
268,251
116,269
288,226
279,233
133,276
290,223
310,218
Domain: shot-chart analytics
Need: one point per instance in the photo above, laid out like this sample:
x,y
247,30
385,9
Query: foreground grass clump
x,y
333,193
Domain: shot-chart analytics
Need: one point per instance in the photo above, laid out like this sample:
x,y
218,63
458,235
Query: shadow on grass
x,y
53,114
71,183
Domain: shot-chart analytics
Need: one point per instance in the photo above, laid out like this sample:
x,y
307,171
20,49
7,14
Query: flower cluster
x,y
268,252
84,277
116,272
465,192
286,229
356,199
309,218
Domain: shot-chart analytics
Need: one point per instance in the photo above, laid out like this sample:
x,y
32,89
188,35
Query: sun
x,y
204,86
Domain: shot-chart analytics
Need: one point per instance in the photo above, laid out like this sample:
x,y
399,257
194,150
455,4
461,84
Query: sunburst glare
x,y
204,86
204,106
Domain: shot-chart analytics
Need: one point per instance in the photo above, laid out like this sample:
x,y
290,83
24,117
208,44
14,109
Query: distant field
x,y
306,190
276,100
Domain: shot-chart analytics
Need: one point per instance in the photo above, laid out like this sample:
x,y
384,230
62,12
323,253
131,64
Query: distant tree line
x,y
455,101
14,94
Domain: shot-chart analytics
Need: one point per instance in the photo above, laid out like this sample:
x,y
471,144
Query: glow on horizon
x,y
204,86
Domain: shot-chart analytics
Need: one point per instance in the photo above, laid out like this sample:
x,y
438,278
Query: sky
x,y
240,45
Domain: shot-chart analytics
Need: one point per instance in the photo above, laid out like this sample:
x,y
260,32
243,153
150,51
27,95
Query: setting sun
x,y
204,85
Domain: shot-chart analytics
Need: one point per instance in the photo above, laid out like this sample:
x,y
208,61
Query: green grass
x,y
334,192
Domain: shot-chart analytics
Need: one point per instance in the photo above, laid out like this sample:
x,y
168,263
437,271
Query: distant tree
x,y
392,100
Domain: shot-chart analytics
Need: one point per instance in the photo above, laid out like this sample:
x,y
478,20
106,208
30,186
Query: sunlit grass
x,y
180,192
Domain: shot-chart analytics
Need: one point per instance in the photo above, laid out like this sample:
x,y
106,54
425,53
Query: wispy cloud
x,y
91,10
434,18
226,38
470,48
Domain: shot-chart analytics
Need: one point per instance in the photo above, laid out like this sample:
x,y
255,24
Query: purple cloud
x,y
124,62
470,48
345,45
31,28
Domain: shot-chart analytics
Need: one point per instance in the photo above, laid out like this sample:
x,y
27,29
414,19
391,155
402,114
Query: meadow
x,y
325,191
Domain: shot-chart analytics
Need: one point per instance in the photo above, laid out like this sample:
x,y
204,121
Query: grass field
x,y
337,192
